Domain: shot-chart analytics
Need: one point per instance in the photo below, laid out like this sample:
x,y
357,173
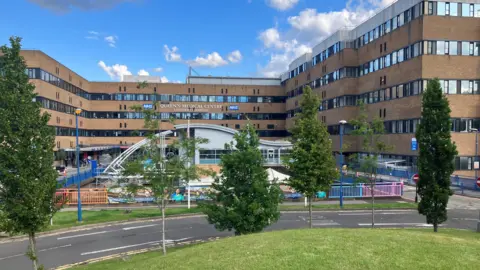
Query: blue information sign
x,y
148,106
233,107
414,144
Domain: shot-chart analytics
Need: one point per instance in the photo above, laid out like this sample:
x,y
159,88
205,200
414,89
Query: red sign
x,y
478,182
416,178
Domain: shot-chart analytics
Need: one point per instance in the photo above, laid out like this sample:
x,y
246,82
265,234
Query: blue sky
x,y
104,39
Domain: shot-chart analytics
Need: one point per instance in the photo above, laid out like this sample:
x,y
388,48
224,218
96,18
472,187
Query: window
x,y
453,50
452,87
394,58
430,8
441,10
401,20
441,48
466,87
384,113
237,126
124,107
453,9
467,48
394,23
124,89
270,126
400,56
467,10
120,125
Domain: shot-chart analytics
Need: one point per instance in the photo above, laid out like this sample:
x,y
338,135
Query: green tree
x,y
28,180
311,162
245,200
151,167
373,143
436,155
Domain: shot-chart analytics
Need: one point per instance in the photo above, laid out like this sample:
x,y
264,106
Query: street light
x,y
78,111
342,127
474,162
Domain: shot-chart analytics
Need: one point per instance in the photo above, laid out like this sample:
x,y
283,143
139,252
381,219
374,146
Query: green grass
x,y
69,219
318,249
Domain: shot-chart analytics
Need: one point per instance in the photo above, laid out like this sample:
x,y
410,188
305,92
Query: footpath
x,y
455,201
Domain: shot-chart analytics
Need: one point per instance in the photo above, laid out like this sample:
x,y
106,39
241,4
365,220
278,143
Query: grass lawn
x,y
318,249
69,219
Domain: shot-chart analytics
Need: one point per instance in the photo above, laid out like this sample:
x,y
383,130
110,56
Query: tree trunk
x,y
164,247
310,211
435,227
373,203
32,253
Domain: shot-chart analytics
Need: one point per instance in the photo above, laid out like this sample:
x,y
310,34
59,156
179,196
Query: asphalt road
x,y
71,247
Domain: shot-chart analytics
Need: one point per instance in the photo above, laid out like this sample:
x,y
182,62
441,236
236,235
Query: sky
x,y
103,40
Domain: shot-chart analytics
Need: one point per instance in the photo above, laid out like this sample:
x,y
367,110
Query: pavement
x,y
455,201
78,246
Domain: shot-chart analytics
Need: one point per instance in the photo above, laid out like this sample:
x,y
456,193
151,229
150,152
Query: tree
x,y
28,180
436,155
311,162
372,143
245,200
152,166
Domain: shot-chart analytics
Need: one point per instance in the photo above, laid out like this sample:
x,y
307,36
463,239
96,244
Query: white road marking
x,y
41,250
466,219
397,224
139,227
369,214
117,248
81,235
325,224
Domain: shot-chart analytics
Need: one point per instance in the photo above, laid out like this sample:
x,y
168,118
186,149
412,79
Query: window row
x,y
453,9
331,51
390,25
198,98
36,73
63,131
441,47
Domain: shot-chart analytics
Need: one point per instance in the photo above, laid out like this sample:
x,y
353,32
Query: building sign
x,y
233,107
414,144
183,107
148,106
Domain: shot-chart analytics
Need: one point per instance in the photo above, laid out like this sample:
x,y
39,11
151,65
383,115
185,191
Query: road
x,y
71,247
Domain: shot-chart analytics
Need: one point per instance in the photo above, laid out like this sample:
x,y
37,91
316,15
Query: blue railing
x,y
79,178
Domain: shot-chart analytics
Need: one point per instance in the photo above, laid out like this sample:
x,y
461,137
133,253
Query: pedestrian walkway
x,y
455,202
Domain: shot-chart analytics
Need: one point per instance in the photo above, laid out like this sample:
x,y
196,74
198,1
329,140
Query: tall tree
x,y
246,201
436,155
372,143
311,162
28,180
152,166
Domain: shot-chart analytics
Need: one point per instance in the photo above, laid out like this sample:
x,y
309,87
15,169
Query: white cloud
x,y
211,60
172,55
111,41
307,29
235,56
143,72
158,69
282,4
95,33
164,79
92,35
116,72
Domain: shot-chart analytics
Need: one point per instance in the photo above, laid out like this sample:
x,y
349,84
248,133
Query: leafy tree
x,y
372,143
436,154
311,162
245,200
28,180
152,166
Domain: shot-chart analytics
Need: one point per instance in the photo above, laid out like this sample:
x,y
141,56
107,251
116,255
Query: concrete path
x,y
455,202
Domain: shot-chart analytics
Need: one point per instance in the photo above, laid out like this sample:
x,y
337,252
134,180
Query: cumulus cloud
x,y
282,4
65,6
171,55
211,60
158,69
307,29
116,71
143,72
164,79
111,41
235,56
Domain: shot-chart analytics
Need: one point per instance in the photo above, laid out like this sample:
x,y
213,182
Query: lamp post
x,y
78,111
342,127
476,173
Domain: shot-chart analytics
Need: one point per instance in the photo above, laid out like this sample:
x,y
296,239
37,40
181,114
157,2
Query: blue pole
x,y
341,166
79,205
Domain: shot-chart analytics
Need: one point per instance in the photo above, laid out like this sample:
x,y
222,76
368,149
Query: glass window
x,y
387,27
452,87
401,20
394,58
400,56
400,91
477,10
387,60
466,10
466,48
476,50
394,23
375,65
219,98
441,47
453,50
430,8
387,93
441,8
371,36
453,9
467,87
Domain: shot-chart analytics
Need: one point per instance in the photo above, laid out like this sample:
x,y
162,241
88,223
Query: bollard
x,y
478,223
